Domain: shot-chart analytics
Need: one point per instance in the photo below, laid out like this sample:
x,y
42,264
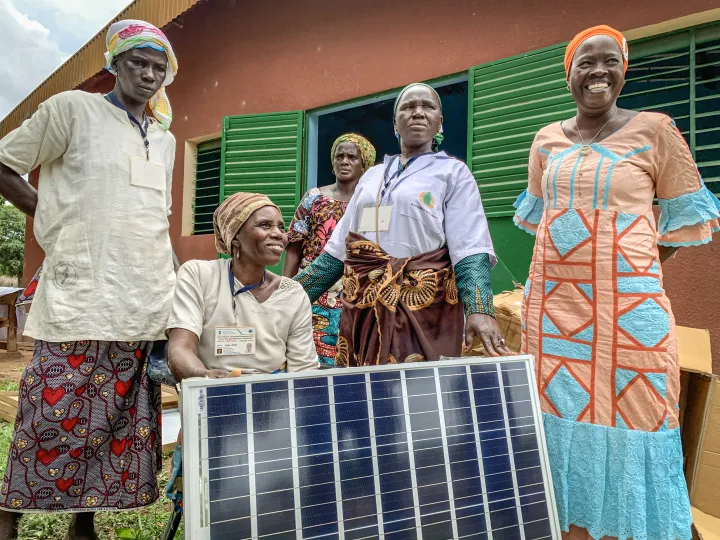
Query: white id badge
x,y
147,174
367,219
234,340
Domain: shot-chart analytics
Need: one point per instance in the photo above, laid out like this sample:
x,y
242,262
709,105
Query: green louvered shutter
x,y
679,74
207,186
262,153
509,101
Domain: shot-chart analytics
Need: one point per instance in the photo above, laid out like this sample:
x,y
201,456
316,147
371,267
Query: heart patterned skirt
x,y
87,433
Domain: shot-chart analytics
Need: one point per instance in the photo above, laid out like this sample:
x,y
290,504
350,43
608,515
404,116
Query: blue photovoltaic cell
x,y
450,451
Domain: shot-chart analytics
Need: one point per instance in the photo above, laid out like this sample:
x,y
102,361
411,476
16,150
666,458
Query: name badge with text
x,y
234,340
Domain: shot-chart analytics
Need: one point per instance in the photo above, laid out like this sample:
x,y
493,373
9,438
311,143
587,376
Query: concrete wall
x,y
241,57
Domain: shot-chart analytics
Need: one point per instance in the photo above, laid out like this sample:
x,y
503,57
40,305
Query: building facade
x,y
264,88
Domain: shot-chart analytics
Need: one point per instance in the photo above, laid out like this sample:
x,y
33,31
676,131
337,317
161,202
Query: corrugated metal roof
x,y
89,60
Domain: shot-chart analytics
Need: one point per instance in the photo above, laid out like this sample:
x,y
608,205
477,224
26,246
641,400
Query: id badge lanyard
x,y
386,183
143,129
246,288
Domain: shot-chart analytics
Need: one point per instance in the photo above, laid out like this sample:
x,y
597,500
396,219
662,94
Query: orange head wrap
x,y
601,30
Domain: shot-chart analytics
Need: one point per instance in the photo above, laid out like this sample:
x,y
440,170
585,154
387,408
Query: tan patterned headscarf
x,y
367,150
232,213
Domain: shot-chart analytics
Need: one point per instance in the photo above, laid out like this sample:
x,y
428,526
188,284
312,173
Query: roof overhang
x,y
90,60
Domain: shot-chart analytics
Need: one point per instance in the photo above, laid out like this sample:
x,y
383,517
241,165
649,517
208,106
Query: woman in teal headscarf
x,y
414,251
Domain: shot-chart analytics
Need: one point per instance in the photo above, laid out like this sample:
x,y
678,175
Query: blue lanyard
x,y
143,130
401,169
246,288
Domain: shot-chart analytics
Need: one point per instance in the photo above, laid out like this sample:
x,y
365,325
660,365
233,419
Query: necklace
x,y
585,148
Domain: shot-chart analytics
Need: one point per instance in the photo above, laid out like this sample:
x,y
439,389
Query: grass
x,y
8,386
145,524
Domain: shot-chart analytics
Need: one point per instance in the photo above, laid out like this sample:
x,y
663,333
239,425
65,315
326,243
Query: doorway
x,y
372,118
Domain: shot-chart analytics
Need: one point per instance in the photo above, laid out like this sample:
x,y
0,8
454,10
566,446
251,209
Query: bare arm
x,y
183,360
293,254
16,190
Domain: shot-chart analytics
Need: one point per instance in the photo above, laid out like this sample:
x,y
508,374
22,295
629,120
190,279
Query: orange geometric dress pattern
x,y
600,326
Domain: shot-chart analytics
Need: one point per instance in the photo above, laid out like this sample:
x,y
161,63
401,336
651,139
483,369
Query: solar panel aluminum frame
x,y
196,474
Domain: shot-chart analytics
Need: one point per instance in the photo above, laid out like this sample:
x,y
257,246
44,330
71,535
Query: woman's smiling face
x,y
262,238
597,75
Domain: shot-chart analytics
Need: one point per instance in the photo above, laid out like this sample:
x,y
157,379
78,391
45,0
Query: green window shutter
x,y
207,185
706,143
509,101
262,153
679,74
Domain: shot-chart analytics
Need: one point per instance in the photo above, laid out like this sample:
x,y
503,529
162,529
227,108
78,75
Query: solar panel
x,y
449,449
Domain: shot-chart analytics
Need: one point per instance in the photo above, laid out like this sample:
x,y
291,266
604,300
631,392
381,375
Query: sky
x,y
37,36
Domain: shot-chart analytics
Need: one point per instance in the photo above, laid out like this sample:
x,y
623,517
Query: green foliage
x,y
12,239
8,386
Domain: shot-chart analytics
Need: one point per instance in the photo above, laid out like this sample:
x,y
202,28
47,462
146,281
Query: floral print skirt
x,y
87,432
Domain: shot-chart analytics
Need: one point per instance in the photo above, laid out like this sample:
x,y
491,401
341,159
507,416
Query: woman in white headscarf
x,y
87,435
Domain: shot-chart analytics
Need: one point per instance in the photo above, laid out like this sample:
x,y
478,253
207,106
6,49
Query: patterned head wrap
x,y
125,35
367,150
232,213
583,36
439,137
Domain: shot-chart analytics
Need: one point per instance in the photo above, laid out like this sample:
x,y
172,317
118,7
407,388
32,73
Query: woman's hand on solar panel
x,y
486,329
183,360
217,373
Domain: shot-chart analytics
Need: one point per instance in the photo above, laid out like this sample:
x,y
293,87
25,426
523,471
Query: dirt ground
x,y
11,369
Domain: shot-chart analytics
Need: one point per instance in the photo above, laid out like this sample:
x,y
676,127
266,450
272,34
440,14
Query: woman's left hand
x,y
485,327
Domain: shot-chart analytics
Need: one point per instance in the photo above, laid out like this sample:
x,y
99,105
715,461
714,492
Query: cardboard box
x,y
707,527
700,427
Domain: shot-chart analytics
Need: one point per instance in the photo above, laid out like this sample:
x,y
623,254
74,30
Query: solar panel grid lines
x,y
411,459
376,473
336,463
295,465
446,456
252,494
452,449
481,467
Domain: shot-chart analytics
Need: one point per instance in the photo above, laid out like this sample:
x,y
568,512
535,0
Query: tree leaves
x,y
12,239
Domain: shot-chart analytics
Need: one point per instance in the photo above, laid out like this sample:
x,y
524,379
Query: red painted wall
x,y
692,282
239,57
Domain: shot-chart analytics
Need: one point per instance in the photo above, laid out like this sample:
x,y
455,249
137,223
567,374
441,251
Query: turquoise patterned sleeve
x,y
322,274
472,276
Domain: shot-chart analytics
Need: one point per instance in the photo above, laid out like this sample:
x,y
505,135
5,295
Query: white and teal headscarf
x,y
125,35
438,138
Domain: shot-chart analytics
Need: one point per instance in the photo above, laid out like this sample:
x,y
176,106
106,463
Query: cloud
x,y
29,56
37,36
73,22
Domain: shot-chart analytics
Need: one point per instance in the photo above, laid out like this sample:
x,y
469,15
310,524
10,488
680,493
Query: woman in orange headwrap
x,y
595,314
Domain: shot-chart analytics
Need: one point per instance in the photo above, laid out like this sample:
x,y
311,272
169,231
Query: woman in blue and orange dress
x,y
596,316
314,222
